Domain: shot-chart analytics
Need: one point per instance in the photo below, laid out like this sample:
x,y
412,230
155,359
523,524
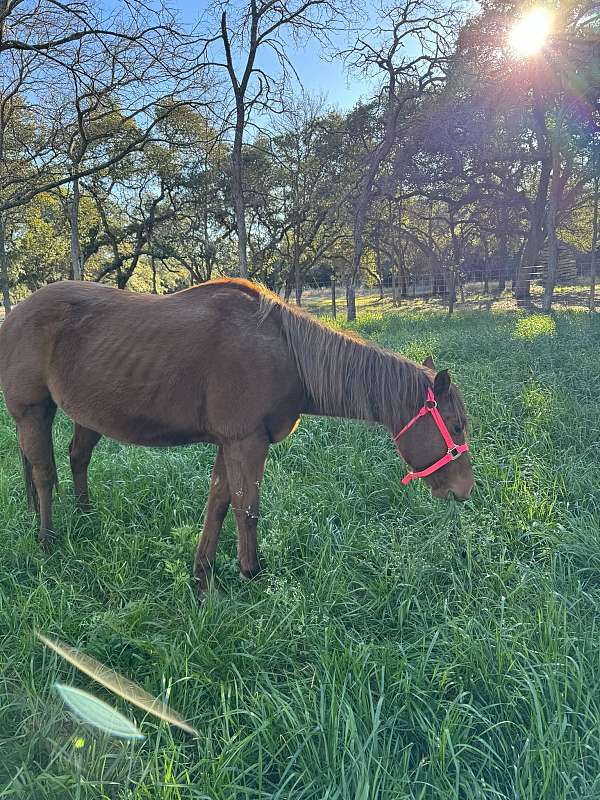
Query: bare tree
x,y
47,27
410,50
87,65
246,31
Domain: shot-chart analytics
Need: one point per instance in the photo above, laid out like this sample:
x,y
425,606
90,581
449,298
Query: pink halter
x,y
454,450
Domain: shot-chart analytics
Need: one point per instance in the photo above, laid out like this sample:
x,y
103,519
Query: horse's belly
x,y
142,431
135,426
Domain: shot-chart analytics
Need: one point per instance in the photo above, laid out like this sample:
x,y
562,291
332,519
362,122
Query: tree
x,y
83,63
389,50
310,183
245,32
193,161
130,206
528,95
40,244
16,138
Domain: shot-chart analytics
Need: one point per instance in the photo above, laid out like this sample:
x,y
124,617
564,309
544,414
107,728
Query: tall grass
x,y
395,648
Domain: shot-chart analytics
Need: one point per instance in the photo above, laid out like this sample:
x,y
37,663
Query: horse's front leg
x,y
216,509
245,463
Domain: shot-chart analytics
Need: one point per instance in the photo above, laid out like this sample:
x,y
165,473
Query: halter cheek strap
x,y
454,450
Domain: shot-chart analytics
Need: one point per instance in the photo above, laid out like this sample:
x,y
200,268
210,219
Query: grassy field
x,y
395,648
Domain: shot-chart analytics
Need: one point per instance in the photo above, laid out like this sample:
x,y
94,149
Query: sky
x,y
319,77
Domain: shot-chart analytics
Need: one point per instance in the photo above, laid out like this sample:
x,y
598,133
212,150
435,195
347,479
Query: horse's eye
x,y
458,429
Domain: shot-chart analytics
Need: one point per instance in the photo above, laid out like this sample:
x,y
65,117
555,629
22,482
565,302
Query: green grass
x,y
395,648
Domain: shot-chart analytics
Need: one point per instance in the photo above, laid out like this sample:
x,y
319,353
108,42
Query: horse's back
x,y
146,368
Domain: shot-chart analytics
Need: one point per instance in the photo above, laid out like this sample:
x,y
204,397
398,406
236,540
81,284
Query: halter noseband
x,y
454,450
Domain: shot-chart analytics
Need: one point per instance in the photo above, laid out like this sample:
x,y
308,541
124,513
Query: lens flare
x,y
530,33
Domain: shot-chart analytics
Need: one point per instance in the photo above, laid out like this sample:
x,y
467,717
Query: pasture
x,y
395,648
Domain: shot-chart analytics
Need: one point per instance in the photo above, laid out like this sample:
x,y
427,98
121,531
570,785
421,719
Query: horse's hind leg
x,y
34,426
80,452
216,509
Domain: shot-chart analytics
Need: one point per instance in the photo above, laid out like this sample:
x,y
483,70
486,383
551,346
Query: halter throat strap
x,y
454,450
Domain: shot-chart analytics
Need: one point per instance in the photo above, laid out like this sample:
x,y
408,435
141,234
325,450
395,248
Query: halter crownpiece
x,y
454,450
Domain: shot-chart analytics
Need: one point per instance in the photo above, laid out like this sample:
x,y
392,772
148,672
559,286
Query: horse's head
x,y
433,443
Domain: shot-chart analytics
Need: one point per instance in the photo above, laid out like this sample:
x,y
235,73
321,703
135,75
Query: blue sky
x,y
317,76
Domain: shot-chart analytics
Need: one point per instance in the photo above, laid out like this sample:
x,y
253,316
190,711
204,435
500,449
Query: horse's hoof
x,y
251,575
212,593
46,540
205,585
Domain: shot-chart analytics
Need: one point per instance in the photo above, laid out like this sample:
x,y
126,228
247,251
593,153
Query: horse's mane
x,y
343,374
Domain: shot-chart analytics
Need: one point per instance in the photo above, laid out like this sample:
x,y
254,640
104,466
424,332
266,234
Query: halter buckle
x,y
454,453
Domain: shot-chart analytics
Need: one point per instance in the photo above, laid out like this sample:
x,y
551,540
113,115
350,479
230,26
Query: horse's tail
x,y
32,495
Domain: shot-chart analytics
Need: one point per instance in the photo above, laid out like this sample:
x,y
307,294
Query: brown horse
x,y
225,362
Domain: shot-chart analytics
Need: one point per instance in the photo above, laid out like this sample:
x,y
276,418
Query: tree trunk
x,y
360,220
378,263
594,258
502,258
350,299
237,191
4,282
454,267
438,281
394,262
208,251
535,237
363,203
552,214
333,298
486,269
403,286
297,270
76,254
451,290
153,266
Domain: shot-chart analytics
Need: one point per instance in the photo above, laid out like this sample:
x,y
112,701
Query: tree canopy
x,y
139,151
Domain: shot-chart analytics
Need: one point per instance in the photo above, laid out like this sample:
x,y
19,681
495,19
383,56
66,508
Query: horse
x,y
226,362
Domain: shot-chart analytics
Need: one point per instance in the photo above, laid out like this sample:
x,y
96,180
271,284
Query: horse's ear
x,y
429,362
441,383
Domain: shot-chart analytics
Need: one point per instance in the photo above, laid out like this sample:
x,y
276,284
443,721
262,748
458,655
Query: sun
x,y
530,32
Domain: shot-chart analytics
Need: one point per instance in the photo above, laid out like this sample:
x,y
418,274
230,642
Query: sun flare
x,y
530,32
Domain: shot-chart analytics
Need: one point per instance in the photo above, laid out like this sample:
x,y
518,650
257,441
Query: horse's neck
x,y
344,377
366,383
